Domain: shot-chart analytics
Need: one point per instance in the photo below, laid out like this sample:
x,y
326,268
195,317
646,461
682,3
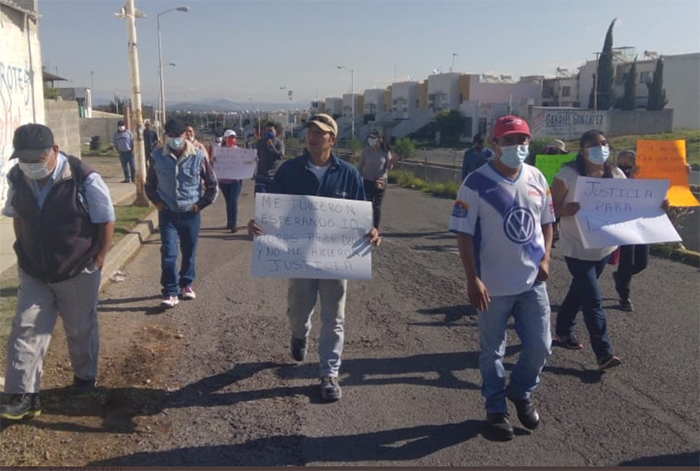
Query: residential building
x,y
334,106
374,103
403,99
443,91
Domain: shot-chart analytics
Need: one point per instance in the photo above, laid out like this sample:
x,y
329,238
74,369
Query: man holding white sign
x,y
318,172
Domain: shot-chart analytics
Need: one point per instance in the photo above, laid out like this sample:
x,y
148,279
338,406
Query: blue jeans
x,y
174,226
231,191
584,293
127,161
531,313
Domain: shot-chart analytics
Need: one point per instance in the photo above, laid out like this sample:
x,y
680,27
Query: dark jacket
x,y
58,241
270,157
341,180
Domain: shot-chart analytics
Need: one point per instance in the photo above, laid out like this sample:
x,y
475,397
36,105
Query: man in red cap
x,y
503,219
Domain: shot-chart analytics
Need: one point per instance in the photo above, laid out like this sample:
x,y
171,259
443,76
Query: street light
x,y
160,61
352,98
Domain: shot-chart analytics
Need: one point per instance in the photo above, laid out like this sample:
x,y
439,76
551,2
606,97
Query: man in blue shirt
x,y
319,172
123,141
476,156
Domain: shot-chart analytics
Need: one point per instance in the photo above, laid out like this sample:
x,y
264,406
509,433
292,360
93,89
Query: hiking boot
x,y
527,414
499,427
298,348
626,305
610,362
187,293
82,387
330,389
19,406
571,342
169,302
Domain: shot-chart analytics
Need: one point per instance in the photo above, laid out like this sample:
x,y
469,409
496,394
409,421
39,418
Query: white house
x,y
404,102
374,103
443,91
334,106
348,104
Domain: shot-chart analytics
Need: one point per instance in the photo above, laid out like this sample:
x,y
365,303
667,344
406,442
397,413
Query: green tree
x,y
629,100
605,73
405,148
449,123
657,94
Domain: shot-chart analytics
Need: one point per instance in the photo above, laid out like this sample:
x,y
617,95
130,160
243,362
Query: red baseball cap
x,y
510,125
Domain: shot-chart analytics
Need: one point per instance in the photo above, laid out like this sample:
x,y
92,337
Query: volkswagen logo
x,y
519,225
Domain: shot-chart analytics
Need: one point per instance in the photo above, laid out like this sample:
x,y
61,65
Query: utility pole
x,y
130,16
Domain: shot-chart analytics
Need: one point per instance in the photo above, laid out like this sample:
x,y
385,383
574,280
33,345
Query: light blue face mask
x,y
175,142
514,156
598,154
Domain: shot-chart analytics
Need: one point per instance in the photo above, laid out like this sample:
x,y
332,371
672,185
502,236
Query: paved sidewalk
x,y
111,172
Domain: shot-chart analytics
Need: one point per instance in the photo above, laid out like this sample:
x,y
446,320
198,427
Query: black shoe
x,y
234,230
626,305
126,181
83,387
19,406
330,389
527,414
298,348
610,362
571,342
499,427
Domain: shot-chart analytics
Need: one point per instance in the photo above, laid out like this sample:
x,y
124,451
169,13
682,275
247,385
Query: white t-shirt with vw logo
x,y
505,218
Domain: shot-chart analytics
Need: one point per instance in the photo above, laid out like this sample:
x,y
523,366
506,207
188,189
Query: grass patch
x,y
128,217
408,180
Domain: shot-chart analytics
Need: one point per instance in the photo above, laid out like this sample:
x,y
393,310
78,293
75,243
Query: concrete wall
x,y
682,84
622,123
502,92
444,91
21,87
62,117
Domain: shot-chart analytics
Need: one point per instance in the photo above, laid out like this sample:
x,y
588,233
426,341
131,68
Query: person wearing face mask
x,y
585,265
374,166
189,135
231,189
174,184
63,221
270,155
503,218
123,141
476,156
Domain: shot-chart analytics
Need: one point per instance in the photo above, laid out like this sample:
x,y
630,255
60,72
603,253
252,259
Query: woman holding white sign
x,y
231,189
585,265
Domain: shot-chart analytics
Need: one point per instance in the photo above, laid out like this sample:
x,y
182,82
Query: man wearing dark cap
x,y
319,172
503,219
64,221
174,184
270,154
476,156
123,141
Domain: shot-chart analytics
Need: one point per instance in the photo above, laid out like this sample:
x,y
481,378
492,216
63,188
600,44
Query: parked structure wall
x,y
63,119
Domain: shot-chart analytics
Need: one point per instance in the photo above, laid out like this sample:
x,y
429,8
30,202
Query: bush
x,y
404,147
408,180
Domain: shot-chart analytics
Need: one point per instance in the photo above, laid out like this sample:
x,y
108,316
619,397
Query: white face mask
x,y
122,128
175,143
514,156
598,154
372,142
35,171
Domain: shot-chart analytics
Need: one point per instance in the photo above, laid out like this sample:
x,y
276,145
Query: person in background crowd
x,y
64,221
123,141
150,141
174,185
270,154
374,166
476,156
231,189
189,135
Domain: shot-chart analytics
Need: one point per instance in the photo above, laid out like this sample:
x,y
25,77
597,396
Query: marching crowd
x,y
505,217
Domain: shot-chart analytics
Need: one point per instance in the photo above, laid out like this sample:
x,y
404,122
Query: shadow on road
x,y
691,458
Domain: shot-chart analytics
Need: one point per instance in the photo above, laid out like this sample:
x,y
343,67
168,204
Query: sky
x,y
246,51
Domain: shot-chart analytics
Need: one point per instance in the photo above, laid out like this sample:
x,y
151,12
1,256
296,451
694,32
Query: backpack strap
x,y
79,172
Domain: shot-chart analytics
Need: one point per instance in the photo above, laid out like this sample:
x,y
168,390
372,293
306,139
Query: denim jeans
x,y
633,259
301,299
185,227
127,161
531,314
231,191
375,195
584,293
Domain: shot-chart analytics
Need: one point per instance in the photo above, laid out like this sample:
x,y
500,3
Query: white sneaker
x,y
187,293
169,302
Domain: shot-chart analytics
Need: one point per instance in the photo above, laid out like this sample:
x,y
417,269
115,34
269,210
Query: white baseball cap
x,y
229,132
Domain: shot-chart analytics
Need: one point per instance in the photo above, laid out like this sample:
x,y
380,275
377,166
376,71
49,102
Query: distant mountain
x,y
223,105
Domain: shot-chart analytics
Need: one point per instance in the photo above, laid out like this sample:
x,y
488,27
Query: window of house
x,y
644,77
566,91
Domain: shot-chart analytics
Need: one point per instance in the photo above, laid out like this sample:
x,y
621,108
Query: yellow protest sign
x,y
665,160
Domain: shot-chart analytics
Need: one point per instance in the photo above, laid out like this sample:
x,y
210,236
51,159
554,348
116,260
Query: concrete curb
x,y
679,255
128,245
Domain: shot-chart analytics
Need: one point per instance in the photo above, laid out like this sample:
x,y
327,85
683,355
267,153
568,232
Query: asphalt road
x,y
410,373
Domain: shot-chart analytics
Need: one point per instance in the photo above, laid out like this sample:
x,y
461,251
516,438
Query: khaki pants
x,y
38,304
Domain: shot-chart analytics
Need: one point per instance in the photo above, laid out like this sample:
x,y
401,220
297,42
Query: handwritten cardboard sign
x,y
312,237
233,163
622,212
550,165
666,160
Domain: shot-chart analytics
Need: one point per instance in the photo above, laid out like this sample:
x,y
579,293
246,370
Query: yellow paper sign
x,y
665,160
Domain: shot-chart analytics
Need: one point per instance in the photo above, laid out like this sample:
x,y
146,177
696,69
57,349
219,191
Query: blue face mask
x,y
175,142
598,155
514,156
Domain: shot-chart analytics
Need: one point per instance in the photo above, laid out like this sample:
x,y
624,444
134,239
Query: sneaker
x,y
610,362
298,349
19,406
571,342
626,305
187,293
499,427
169,302
527,414
83,387
330,389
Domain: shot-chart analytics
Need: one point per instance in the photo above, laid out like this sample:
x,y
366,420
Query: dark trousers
x,y
584,293
375,195
262,183
633,260
127,161
231,191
